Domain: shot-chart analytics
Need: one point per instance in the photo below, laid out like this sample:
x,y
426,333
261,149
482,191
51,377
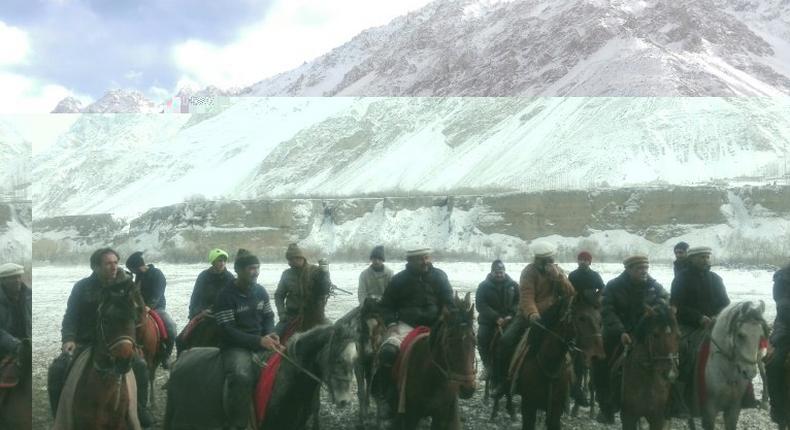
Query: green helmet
x,y
216,253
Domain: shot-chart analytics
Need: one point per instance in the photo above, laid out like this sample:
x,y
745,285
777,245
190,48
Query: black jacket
x,y
207,286
586,282
781,329
624,303
79,322
696,293
496,300
679,266
416,298
15,320
243,316
152,286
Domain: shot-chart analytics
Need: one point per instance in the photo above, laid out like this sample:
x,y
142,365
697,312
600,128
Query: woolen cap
x,y
699,250
11,269
634,260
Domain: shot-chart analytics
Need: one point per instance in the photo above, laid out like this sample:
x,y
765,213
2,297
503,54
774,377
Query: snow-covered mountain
x,y
559,48
15,157
287,147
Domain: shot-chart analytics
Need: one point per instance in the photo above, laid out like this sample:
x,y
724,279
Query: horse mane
x,y
310,342
735,314
119,296
660,315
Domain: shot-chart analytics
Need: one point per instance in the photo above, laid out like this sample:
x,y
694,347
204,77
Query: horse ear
x,y
472,312
649,312
468,300
761,307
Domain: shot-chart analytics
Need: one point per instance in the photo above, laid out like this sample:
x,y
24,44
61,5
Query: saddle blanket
x,y
160,325
9,372
399,371
191,325
263,391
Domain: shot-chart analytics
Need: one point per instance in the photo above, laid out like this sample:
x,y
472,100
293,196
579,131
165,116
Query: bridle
x,y
459,378
108,345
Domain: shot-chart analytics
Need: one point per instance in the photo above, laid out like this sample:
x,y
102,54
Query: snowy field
x,y
52,284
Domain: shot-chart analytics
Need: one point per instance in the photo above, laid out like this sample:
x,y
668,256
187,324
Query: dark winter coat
x,y
679,265
416,298
79,322
495,300
696,293
781,330
586,282
243,316
624,303
298,287
152,285
15,320
207,287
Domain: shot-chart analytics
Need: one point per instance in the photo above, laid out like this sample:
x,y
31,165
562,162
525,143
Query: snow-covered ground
x,y
52,285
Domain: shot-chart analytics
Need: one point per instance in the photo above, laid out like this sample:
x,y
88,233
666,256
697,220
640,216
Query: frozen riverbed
x,y
52,284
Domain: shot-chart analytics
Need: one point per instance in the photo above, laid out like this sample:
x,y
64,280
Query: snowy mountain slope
x,y
559,48
286,147
15,155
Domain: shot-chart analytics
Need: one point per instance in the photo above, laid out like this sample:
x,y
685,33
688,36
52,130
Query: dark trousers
x,y
58,372
172,332
240,375
507,347
485,334
602,379
774,377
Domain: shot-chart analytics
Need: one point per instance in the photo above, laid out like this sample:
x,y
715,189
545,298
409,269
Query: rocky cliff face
x,y
744,225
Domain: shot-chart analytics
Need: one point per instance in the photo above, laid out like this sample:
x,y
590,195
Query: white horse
x,y
732,364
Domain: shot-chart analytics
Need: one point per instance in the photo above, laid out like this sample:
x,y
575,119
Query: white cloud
x,y
14,45
293,32
21,94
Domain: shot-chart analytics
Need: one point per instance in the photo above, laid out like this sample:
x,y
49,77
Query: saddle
x,y
160,324
399,370
183,337
9,372
265,387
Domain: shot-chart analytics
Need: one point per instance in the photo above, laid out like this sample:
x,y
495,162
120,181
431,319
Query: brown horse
x,y
653,361
492,352
150,342
16,403
101,397
545,376
441,368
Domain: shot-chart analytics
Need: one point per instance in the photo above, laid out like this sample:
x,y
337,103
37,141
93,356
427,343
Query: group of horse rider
x,y
413,297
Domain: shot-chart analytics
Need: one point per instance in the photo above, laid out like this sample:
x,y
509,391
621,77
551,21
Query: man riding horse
x,y
624,300
15,310
152,283
542,284
245,316
302,285
209,283
496,300
414,297
79,328
780,341
374,279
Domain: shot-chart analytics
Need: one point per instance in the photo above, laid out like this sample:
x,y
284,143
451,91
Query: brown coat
x,y
539,291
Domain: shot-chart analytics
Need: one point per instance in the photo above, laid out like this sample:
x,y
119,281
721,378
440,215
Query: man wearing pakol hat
x,y
780,341
78,329
414,297
496,300
152,284
542,284
209,283
699,295
624,300
374,279
302,286
246,321
15,309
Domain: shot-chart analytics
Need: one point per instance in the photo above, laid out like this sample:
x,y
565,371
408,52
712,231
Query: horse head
x,y
116,323
453,345
737,332
585,310
372,327
657,333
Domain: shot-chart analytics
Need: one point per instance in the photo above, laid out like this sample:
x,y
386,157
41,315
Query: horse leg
x,y
629,421
362,395
447,418
731,416
765,399
708,416
657,421
510,407
528,415
151,385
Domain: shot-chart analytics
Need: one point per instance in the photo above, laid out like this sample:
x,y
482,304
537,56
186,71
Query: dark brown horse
x,y
493,351
441,368
101,397
150,342
653,362
545,376
16,402
786,425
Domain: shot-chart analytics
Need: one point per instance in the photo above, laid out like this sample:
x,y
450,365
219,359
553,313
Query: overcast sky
x,y
50,49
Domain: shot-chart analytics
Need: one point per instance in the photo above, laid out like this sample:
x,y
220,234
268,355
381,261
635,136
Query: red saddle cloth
x,y
9,372
160,325
190,327
405,349
702,361
263,391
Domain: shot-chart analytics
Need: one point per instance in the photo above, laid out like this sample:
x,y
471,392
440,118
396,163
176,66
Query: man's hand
x,y
500,322
625,339
69,347
534,317
706,321
271,341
